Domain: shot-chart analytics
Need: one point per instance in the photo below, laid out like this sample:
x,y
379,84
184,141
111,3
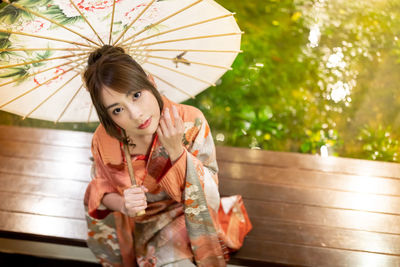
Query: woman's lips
x,y
145,124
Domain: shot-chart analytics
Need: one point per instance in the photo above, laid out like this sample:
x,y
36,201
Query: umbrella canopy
x,y
187,45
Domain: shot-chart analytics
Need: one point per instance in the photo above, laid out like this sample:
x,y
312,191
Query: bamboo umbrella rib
x,y
187,50
162,20
191,38
43,48
135,19
181,73
41,60
87,22
170,84
50,96
90,113
50,20
34,88
44,37
183,27
176,60
112,22
68,104
36,73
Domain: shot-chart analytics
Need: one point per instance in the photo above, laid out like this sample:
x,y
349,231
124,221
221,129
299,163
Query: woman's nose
x,y
135,113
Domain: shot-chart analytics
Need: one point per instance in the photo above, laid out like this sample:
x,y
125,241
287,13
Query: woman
x,y
173,158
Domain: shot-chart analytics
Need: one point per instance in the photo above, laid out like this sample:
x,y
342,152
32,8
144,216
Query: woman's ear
x,y
151,79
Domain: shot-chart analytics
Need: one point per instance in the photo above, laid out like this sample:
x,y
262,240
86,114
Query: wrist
x,y
175,155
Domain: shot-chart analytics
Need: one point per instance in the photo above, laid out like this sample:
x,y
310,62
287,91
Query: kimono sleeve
x,y
200,157
98,186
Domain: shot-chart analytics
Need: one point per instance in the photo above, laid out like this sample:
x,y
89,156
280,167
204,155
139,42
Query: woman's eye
x,y
137,95
117,111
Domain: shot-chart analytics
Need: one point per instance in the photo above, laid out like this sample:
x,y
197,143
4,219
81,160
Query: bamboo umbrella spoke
x,y
50,20
112,22
90,113
192,38
44,48
39,60
68,104
43,37
188,62
50,96
170,84
187,50
87,22
36,87
184,27
164,19
181,73
133,21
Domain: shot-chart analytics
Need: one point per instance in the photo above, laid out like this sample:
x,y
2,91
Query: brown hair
x,y
110,66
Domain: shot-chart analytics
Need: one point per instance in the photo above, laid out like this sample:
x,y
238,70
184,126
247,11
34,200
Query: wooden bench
x,y
306,210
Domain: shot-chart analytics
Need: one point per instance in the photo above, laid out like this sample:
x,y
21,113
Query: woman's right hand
x,y
134,200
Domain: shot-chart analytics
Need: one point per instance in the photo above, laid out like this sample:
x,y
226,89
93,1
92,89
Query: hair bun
x,y
102,51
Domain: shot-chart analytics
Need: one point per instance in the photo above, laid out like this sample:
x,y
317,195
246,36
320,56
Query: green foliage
x,y
279,94
379,143
56,13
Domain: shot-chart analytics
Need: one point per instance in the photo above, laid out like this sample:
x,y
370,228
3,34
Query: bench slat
x,y
43,206
312,196
309,162
20,184
308,178
46,136
341,218
258,250
20,149
46,226
49,169
323,236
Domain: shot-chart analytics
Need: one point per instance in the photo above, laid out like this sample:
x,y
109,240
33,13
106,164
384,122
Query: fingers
x,y
135,200
166,124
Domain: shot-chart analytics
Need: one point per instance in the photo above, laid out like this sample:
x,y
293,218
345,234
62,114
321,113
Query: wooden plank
x,y
310,178
312,196
21,184
309,162
43,206
46,136
48,169
291,254
305,214
42,226
25,150
323,236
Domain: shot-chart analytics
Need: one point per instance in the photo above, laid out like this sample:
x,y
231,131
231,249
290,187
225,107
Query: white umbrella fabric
x,y
187,45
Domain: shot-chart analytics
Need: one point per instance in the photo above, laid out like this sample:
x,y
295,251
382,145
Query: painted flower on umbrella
x,y
85,6
133,12
43,77
34,26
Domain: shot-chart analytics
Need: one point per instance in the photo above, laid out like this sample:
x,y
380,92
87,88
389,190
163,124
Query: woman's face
x,y
137,112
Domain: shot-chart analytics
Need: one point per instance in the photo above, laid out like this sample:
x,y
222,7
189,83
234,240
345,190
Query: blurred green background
x,y
313,74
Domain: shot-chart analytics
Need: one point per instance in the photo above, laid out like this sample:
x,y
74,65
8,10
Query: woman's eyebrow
x,y
112,105
132,91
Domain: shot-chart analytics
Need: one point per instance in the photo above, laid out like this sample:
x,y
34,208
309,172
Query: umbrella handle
x,y
130,170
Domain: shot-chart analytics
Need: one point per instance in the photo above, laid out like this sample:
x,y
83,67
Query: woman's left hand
x,y
170,134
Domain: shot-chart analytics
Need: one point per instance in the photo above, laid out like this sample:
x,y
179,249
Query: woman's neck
x,y
142,143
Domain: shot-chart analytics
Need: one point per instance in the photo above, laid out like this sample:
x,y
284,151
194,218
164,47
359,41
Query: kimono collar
x,y
109,147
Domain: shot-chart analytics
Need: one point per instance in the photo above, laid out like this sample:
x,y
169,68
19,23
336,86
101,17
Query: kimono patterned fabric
x,y
185,217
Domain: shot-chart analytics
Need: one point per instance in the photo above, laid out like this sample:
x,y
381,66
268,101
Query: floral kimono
x,y
185,217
